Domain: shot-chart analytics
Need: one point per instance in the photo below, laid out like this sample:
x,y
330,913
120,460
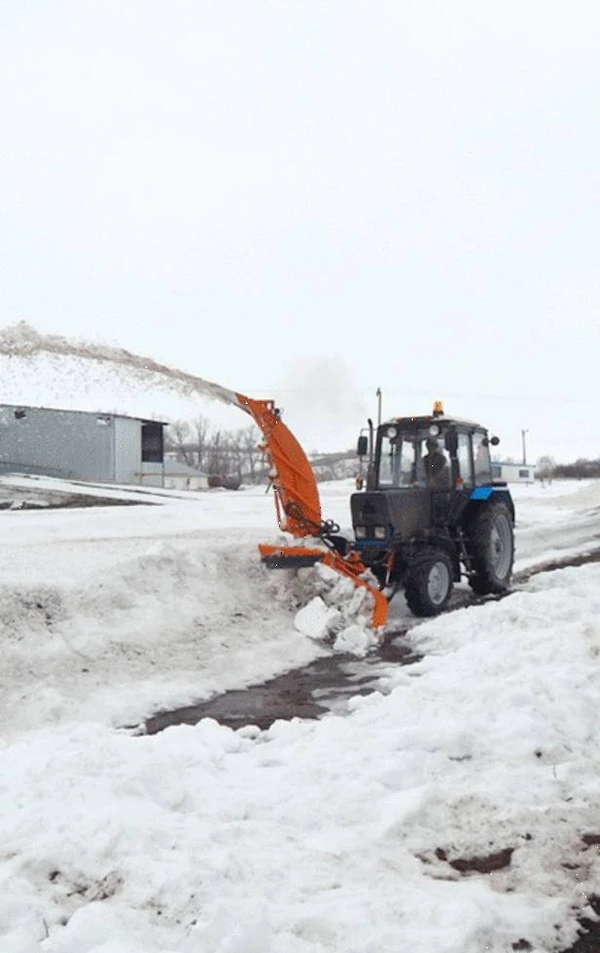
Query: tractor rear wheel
x,y
492,548
428,582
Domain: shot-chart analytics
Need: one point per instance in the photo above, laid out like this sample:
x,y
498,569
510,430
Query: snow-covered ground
x,y
372,830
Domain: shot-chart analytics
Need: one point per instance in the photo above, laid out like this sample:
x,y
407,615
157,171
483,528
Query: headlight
x,y
379,532
360,532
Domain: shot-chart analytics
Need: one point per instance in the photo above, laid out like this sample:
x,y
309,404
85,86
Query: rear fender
x,y
492,494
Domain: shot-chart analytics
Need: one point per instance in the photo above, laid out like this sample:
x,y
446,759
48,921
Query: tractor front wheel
x,y
492,548
428,582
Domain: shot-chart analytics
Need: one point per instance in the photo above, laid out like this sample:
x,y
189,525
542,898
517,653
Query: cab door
x,y
482,458
464,455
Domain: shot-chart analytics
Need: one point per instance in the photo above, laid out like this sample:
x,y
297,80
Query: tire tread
x,y
485,581
415,585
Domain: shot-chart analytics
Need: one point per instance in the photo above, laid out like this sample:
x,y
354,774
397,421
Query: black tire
x,y
428,582
491,546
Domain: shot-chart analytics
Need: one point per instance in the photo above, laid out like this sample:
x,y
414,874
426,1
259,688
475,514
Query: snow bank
x,y
171,626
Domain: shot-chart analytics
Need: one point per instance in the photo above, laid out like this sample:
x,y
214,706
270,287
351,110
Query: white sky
x,y
310,200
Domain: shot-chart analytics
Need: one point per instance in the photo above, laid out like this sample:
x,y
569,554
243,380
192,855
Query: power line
x,y
447,395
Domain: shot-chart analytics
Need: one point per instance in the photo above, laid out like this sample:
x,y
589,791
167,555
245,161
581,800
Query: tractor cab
x,y
437,452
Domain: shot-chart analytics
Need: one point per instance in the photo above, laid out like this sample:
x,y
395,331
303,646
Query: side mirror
x,y
451,442
494,441
362,447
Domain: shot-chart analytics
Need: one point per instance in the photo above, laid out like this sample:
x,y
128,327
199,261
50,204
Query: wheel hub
x,y
438,583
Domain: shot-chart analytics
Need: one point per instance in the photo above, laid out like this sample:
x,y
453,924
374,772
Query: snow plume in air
x,y
320,396
21,340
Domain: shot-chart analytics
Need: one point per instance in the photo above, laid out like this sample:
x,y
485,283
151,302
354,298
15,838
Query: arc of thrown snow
x,y
21,340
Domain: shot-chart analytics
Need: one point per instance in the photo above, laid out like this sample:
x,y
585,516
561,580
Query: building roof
x,y
425,420
88,413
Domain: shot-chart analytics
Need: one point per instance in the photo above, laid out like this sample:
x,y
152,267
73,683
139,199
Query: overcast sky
x,y
310,199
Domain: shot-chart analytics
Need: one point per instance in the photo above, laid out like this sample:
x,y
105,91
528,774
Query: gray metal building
x,y
74,444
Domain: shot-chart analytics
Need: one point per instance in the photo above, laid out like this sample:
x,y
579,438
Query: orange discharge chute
x,y
296,495
298,506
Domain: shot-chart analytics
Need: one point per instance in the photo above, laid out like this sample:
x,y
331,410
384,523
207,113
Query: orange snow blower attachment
x,y
298,507
295,557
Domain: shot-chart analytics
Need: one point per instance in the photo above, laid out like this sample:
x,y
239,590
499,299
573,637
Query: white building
x,y
178,476
513,472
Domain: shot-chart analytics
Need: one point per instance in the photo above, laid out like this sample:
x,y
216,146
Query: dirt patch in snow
x,y
589,932
307,692
479,864
54,500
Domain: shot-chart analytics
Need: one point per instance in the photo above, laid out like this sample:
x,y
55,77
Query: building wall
x,y
128,450
56,442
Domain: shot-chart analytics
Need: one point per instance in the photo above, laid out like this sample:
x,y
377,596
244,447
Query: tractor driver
x,y
436,466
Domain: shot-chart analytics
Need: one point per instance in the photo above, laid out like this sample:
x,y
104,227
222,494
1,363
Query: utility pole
x,y
378,395
523,432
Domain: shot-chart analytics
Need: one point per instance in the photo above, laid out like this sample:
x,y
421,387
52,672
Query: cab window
x,y
397,462
465,461
483,463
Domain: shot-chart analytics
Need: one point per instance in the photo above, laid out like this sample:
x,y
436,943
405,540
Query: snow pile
x,y
340,613
448,815
147,607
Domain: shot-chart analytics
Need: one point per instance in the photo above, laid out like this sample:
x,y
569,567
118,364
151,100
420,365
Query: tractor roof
x,y
416,423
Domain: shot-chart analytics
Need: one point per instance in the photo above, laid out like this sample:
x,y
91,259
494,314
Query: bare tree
x,y
201,433
545,468
227,456
236,453
253,456
178,437
217,463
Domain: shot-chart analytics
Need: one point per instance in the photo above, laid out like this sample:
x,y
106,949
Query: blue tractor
x,y
431,512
